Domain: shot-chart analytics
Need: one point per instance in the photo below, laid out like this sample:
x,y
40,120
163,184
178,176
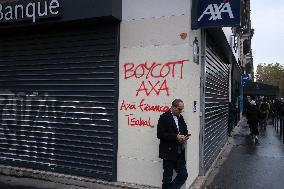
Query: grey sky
x,y
267,18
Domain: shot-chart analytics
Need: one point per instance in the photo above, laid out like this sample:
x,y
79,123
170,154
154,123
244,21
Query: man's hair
x,y
176,102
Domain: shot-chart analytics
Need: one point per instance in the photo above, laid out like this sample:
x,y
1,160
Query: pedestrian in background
x,y
281,108
172,132
253,119
264,109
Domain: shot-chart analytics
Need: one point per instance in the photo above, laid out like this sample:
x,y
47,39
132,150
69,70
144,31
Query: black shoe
x,y
256,139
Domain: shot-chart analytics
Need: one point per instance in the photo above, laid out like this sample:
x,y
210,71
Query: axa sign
x,y
217,13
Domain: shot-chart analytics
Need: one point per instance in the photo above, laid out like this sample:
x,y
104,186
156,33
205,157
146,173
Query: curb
x,y
68,179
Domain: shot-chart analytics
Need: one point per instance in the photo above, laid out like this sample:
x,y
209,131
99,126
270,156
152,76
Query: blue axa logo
x,y
215,11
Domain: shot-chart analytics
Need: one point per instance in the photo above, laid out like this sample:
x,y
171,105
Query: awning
x,y
260,89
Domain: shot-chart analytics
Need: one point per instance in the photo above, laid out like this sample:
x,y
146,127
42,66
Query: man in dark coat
x,y
172,132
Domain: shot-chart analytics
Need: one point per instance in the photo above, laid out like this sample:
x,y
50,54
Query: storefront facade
x,y
59,86
156,66
83,85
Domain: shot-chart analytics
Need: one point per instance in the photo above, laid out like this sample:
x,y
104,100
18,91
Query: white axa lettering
x,y
216,11
30,11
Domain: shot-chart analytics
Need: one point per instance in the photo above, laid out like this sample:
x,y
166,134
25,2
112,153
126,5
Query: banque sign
x,y
28,10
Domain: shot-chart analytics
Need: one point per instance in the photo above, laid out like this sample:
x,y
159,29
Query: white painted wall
x,y
151,33
229,36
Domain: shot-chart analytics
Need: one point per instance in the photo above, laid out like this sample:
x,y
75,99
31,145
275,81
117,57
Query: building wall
x,y
235,72
155,67
229,36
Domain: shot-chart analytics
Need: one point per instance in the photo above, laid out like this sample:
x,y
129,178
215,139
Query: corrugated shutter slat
x,y
58,99
216,107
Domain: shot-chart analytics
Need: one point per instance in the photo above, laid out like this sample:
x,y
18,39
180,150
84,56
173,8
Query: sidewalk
x,y
11,182
245,165
21,178
241,165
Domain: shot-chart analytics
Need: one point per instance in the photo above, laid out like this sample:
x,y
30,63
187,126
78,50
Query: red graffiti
x,y
155,108
132,121
127,106
143,106
148,87
154,70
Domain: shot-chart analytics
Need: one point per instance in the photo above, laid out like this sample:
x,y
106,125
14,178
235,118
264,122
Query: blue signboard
x,y
245,78
216,13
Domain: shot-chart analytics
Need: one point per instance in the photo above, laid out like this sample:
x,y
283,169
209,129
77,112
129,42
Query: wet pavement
x,y
242,165
250,166
8,182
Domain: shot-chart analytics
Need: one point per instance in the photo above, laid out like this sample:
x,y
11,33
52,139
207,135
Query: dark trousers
x,y
253,128
180,168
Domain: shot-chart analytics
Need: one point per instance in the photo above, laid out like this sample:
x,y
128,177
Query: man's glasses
x,y
180,109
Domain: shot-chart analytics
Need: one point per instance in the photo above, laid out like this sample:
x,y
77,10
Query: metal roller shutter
x,y
58,92
216,106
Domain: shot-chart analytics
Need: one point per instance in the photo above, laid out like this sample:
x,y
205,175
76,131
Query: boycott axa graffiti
x,y
154,71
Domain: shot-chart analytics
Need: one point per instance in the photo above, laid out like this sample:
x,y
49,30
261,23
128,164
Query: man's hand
x,y
187,137
182,138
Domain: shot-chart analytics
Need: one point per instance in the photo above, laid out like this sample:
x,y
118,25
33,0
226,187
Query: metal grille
x,y
58,99
216,107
